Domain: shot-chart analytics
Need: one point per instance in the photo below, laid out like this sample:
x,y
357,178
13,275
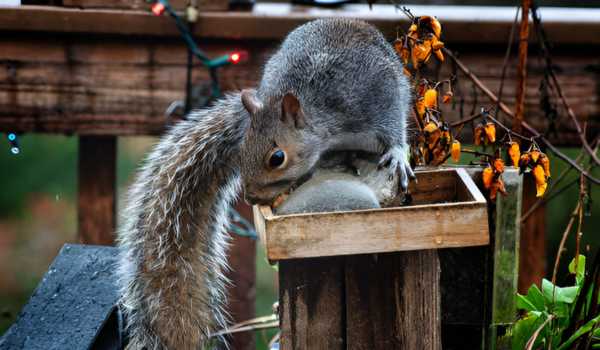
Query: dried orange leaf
x,y
436,26
490,132
514,152
439,55
478,134
541,189
414,58
498,165
497,186
439,155
545,161
447,97
430,127
432,23
420,108
430,98
412,28
500,185
535,155
433,138
422,51
455,150
487,176
524,161
539,175
436,44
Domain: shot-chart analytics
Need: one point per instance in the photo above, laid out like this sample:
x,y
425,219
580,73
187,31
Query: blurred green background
x,y
38,215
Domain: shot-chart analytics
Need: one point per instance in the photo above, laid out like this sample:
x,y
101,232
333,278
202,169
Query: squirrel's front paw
x,y
396,160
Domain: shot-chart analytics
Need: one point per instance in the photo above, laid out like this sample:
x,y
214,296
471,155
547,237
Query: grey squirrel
x,y
334,84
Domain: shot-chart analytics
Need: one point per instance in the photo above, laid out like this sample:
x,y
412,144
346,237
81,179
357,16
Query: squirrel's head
x,y
280,148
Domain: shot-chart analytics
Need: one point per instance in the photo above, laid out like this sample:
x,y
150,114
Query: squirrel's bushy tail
x,y
173,243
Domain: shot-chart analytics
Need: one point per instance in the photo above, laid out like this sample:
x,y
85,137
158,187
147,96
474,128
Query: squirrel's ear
x,y
291,111
250,102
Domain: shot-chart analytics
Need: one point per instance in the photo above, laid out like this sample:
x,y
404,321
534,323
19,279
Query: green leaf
x,y
580,331
580,273
533,301
523,329
524,303
554,294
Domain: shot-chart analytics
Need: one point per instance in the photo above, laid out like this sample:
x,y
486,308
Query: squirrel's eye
x,y
277,159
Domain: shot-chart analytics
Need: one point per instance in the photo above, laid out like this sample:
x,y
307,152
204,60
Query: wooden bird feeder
x,y
447,210
372,279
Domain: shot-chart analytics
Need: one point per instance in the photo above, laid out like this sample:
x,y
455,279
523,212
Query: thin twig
x,y
509,131
544,47
262,322
466,120
477,153
563,240
506,58
579,232
509,112
535,334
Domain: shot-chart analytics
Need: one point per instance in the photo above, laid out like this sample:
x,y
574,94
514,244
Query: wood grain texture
x,y
272,21
103,86
203,5
311,304
393,301
113,83
424,226
96,189
119,4
532,265
116,85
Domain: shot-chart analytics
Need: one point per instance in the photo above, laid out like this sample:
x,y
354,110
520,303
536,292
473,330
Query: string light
x,y
238,56
158,8
241,227
14,143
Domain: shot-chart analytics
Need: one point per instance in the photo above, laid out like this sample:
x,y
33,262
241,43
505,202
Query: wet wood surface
x,y
451,212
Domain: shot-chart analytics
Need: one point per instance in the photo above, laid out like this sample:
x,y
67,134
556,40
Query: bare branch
x,y
510,113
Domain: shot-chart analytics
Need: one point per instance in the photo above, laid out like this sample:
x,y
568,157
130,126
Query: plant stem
x,y
535,334
563,240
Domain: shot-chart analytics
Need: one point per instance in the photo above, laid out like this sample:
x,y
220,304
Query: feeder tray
x,y
447,210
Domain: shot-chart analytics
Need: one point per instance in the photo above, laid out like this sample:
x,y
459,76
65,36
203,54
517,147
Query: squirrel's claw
x,y
396,160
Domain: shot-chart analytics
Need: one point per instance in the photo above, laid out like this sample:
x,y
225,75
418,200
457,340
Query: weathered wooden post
x,y
97,189
479,283
370,279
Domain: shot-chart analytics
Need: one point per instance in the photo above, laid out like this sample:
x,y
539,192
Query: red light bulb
x,y
158,8
238,56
